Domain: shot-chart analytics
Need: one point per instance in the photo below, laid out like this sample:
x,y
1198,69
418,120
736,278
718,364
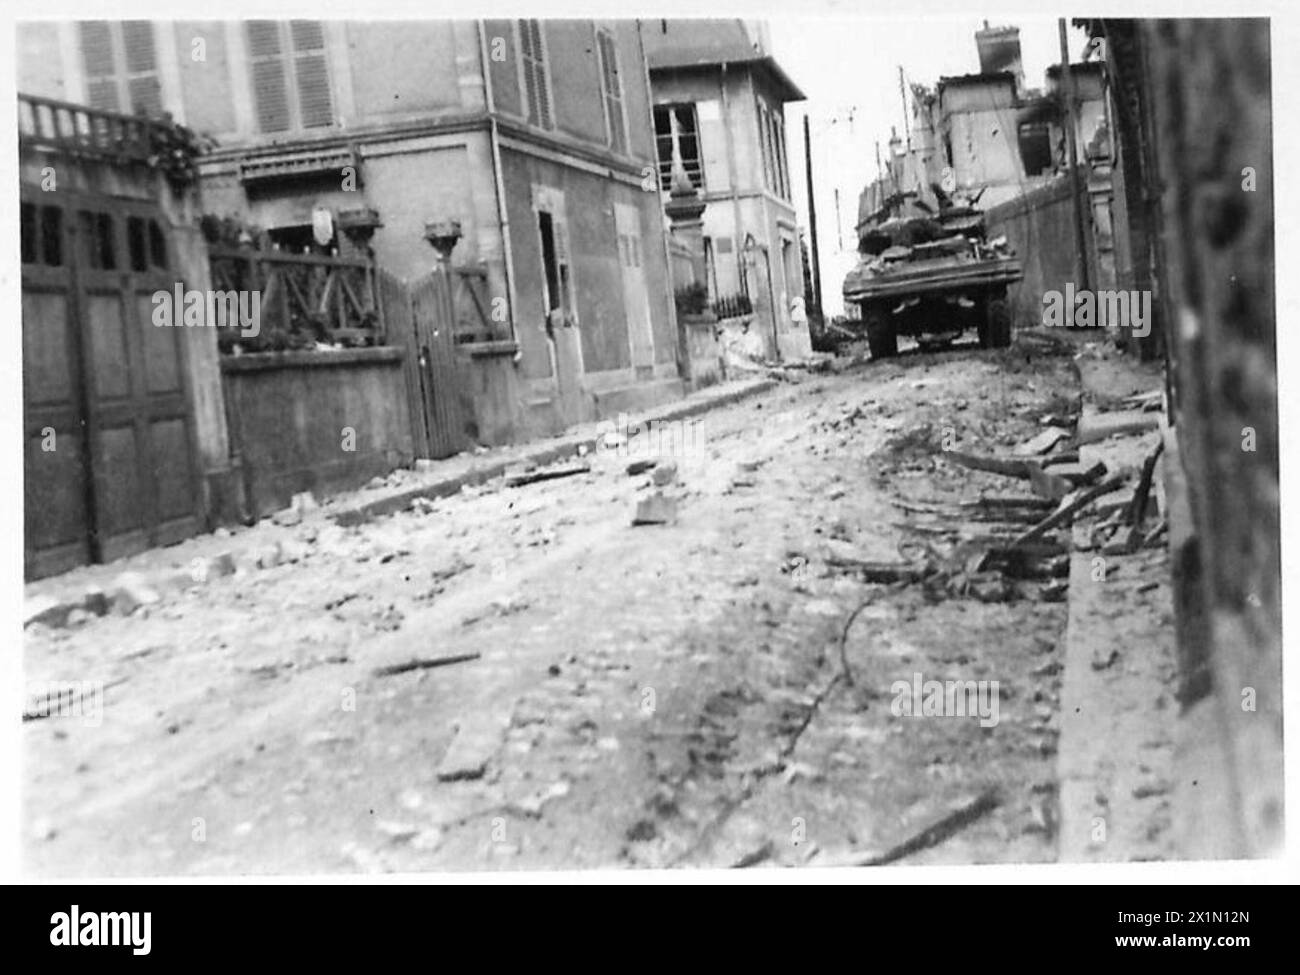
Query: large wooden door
x,y
636,299
110,460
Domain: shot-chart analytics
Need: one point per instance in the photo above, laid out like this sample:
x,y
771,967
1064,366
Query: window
x,y
96,232
1035,148
771,135
676,136
27,235
290,69
52,236
41,234
612,87
782,168
157,245
557,274
135,244
121,66
532,62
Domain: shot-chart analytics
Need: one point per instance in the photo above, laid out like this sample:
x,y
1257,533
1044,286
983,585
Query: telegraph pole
x,y
907,123
1067,86
812,217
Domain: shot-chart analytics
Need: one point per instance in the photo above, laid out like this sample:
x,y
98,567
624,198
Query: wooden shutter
x,y
100,66
270,92
536,83
143,89
612,90
526,61
311,72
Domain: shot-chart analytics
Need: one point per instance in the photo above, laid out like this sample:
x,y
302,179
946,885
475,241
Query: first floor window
x,y
677,140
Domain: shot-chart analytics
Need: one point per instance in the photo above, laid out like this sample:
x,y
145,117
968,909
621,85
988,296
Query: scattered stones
x,y
664,474
266,556
45,610
287,517
655,510
1042,442
1104,658
1149,789
130,591
397,832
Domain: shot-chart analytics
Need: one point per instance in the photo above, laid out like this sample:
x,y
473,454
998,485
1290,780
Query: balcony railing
x,y
732,306
51,125
305,299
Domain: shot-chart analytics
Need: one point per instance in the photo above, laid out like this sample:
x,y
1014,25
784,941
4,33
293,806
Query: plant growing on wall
x,y
174,150
230,232
693,299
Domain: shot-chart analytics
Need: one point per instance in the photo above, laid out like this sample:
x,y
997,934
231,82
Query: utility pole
x,y
839,222
907,123
812,217
1067,87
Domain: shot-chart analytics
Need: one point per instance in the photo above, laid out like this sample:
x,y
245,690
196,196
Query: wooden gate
x,y
420,317
108,432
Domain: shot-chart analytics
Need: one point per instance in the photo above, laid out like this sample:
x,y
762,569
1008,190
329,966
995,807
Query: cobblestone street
x,y
649,695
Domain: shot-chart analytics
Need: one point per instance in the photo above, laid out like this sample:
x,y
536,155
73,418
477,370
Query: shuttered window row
x,y
120,63
611,86
537,85
290,73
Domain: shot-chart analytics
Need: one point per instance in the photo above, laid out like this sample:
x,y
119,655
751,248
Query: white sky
x,y
848,69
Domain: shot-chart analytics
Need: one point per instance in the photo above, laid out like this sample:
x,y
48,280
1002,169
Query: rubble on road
x,y
423,663
657,509
1042,442
663,475
1101,426
533,475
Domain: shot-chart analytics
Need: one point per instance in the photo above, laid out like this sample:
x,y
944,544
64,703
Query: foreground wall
x,y
1210,93
316,421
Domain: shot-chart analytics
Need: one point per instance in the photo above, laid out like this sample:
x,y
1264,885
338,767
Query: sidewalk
x,y
142,579
1118,706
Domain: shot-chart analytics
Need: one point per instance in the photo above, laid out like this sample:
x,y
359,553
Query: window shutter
x,y
613,93
270,93
536,84
137,41
142,85
526,59
311,71
263,38
543,83
101,71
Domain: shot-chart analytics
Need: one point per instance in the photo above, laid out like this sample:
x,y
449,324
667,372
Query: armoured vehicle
x,y
932,276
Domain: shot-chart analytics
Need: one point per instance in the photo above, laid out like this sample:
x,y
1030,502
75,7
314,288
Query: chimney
x,y
999,49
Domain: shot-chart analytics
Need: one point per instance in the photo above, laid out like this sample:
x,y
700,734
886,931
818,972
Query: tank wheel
x,y
882,339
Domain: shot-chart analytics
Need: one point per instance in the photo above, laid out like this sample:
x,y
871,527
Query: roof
x,y
1076,67
976,79
663,62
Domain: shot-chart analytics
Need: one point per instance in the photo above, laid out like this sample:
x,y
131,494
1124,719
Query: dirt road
x,y
651,695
